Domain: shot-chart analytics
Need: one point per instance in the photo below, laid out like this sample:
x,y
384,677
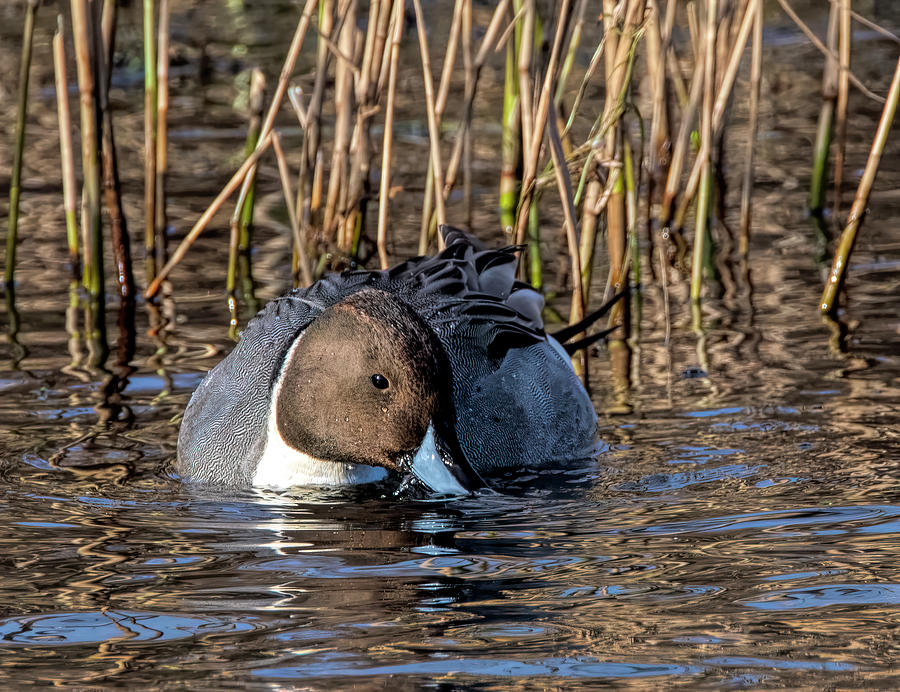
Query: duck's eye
x,y
380,381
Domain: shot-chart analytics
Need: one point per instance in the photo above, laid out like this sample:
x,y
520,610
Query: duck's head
x,y
368,382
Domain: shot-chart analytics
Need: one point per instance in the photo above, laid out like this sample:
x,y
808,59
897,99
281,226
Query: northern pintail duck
x,y
438,367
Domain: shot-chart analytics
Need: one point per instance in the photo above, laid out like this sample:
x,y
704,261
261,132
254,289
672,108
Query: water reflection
x,y
741,531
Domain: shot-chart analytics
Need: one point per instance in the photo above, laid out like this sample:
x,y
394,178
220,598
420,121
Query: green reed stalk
x,y
162,133
828,303
705,155
509,142
91,221
150,105
631,187
569,60
257,103
207,216
241,226
15,186
753,118
67,158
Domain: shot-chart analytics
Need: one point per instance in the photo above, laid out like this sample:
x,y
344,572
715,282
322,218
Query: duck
x,y
438,369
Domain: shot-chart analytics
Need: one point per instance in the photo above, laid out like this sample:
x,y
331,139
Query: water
x,y
741,532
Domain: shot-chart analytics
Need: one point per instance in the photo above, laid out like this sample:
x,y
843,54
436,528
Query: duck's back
x,y
518,400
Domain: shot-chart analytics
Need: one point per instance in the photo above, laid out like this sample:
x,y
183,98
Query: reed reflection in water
x,y
741,531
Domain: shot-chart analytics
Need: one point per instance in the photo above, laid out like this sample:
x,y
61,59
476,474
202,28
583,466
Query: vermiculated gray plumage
x,y
517,400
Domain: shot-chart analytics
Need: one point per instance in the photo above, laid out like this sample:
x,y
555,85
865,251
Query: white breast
x,y
281,466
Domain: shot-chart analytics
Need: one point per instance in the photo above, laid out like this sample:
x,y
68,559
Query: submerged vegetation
x,y
634,174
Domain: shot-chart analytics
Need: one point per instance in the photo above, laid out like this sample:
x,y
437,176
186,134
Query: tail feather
x,y
566,333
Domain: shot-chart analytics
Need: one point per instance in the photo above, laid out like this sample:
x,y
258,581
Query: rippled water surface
x,y
742,531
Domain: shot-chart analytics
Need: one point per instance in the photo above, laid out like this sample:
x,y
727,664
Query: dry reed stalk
x,y
162,130
659,122
359,188
287,68
726,84
67,158
588,75
723,93
534,145
705,154
752,125
343,108
825,127
470,77
829,51
15,185
828,303
244,174
295,96
525,43
281,87
658,151
872,25
564,185
235,181
439,105
150,101
299,244
379,72
487,43
682,142
385,185
310,156
92,277
104,48
433,130
568,62
843,88
590,217
694,30
618,64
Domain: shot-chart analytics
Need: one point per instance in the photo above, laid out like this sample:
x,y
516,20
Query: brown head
x,y
364,383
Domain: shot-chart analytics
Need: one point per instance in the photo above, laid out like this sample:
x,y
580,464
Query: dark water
x,y
743,530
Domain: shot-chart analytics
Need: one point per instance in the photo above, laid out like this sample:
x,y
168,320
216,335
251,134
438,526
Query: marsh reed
x,y
575,146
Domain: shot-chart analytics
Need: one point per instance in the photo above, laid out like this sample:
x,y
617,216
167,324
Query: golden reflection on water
x,y
742,530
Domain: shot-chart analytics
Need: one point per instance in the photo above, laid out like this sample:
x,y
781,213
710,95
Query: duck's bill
x,y
436,466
